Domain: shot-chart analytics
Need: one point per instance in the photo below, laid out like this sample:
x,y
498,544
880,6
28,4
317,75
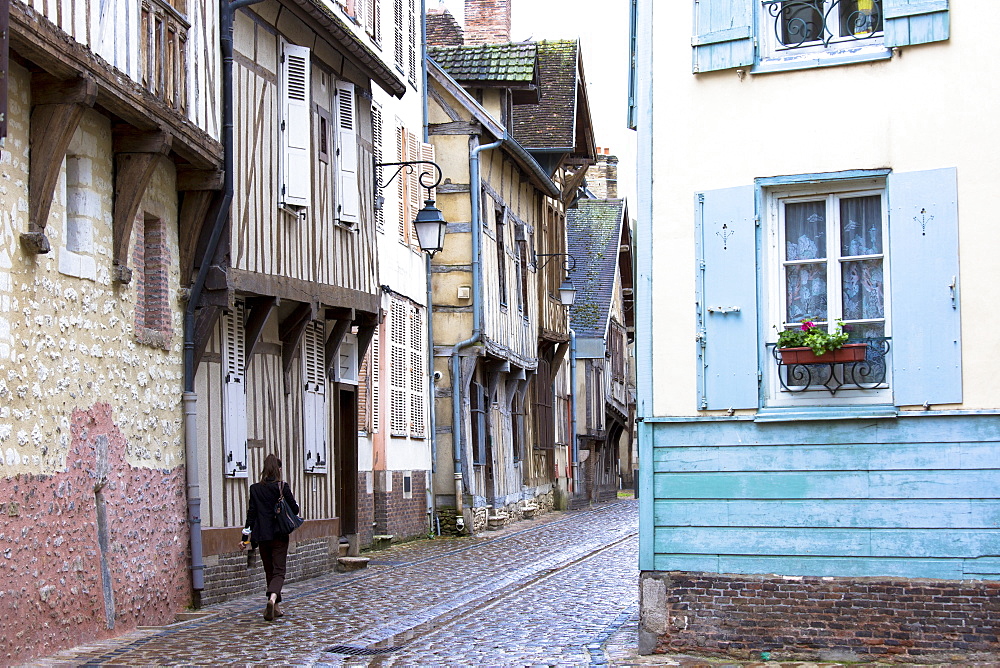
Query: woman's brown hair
x,y
272,468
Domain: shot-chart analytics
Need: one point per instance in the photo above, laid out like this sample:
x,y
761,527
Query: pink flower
x,y
807,325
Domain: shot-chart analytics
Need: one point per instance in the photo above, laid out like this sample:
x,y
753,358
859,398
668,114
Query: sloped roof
x,y
552,122
593,231
496,63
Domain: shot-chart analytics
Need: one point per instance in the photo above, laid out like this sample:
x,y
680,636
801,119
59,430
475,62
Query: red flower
x,y
807,325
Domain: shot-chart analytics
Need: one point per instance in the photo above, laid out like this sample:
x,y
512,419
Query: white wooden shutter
x,y
296,162
401,187
427,154
347,368
373,19
418,385
374,350
314,398
399,367
413,41
400,34
348,204
414,190
234,393
377,153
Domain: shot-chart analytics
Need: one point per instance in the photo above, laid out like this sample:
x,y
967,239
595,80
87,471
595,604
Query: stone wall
x,y
826,618
92,551
91,446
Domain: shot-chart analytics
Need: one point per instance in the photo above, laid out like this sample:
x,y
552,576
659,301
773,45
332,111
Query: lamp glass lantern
x,y
431,227
567,293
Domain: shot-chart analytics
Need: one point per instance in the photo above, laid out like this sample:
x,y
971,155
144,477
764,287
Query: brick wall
x,y
443,29
227,576
487,21
153,317
397,516
366,508
819,617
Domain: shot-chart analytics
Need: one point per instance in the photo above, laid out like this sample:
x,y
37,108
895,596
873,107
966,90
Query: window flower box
x,y
849,352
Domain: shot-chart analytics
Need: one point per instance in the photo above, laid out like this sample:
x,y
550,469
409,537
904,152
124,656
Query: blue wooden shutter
x,y
923,266
915,21
723,34
234,392
727,300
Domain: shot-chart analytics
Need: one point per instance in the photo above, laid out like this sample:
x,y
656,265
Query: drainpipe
x,y
477,326
221,210
430,303
572,411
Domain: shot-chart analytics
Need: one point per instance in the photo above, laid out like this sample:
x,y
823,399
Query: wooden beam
x,y
136,155
192,220
205,321
340,330
367,325
54,120
261,309
290,331
189,178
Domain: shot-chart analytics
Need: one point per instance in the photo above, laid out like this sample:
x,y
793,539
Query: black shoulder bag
x,y
284,519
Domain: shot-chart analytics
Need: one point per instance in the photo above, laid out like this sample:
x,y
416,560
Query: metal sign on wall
x,y
4,60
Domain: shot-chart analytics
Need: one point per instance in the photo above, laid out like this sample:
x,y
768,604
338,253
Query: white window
x,y
806,28
296,161
234,393
377,151
407,377
831,266
347,360
314,398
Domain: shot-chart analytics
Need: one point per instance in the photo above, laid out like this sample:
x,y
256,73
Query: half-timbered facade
x,y
600,239
281,355
108,165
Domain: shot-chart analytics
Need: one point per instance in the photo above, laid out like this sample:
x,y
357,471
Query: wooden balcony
x,y
163,53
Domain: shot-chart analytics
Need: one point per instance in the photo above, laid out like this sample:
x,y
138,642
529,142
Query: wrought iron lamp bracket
x,y
569,264
409,166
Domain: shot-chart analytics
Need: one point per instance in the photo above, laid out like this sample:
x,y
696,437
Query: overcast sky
x,y
602,27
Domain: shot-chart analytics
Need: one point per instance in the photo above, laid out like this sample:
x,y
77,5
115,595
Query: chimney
x,y
602,176
487,21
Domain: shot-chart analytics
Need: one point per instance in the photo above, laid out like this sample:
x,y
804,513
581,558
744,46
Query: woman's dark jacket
x,y
260,510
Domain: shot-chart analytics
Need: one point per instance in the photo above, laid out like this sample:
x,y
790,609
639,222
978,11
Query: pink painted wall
x,y
52,591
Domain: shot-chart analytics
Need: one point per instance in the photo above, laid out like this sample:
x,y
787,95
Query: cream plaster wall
x,y
930,106
67,343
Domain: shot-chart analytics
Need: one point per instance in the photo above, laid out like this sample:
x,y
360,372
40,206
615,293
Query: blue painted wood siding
x,y
723,34
905,497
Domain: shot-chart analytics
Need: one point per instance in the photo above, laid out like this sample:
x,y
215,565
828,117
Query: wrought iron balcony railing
x,y
802,23
871,373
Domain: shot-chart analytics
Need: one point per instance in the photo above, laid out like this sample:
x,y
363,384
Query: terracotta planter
x,y
850,352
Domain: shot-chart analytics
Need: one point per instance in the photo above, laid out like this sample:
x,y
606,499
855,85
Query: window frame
x,y
774,283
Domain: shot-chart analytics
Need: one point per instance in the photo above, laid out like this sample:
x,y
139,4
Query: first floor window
x,y
831,272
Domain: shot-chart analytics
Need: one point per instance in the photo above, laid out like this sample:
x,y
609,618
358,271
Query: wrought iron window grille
x,y
804,23
870,373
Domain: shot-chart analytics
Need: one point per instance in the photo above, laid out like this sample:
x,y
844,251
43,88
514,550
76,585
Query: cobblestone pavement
x,y
561,590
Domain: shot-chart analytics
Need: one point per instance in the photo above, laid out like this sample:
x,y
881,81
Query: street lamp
x,y
429,222
567,293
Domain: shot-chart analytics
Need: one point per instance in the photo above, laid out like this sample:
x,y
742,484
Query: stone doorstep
x,y
347,564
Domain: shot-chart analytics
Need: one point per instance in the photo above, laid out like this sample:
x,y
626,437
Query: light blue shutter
x,y
727,300
723,34
915,21
234,392
923,266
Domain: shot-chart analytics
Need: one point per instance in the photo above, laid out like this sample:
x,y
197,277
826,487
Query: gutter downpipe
x,y
190,397
572,411
430,296
477,325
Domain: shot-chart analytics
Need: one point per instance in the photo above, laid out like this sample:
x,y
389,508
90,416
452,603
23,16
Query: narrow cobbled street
x,y
557,590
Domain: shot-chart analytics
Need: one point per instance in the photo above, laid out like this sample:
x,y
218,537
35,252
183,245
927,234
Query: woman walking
x,y
264,530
